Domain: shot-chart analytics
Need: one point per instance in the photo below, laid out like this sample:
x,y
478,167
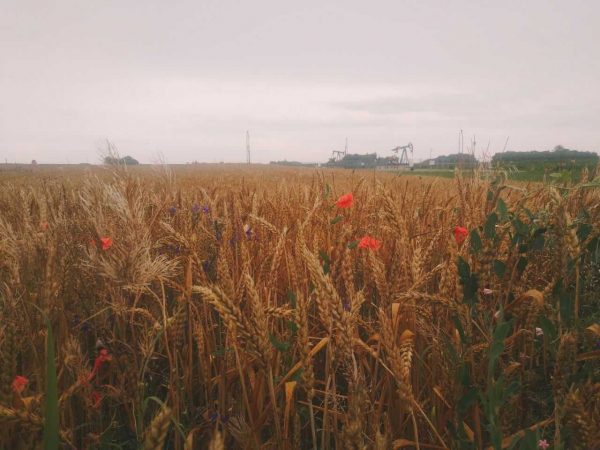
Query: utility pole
x,y
505,144
248,147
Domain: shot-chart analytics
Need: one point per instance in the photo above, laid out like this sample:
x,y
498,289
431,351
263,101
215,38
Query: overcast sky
x,y
186,79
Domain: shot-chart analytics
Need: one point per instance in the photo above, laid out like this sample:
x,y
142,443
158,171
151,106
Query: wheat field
x,y
232,307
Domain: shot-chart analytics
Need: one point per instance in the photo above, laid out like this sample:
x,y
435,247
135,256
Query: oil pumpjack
x,y
403,150
338,155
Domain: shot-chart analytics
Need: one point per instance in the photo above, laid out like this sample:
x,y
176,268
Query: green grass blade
x,y
51,409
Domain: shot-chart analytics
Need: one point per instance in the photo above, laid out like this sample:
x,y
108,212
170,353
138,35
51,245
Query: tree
x,y
116,161
111,156
559,155
129,161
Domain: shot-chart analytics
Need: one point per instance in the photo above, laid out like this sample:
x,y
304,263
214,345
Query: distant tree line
x,y
293,163
559,156
124,161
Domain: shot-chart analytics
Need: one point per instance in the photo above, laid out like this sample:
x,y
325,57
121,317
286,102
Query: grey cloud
x,y
440,104
189,77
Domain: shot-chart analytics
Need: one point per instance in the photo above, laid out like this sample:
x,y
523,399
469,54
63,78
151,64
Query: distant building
x,y
366,161
387,163
464,160
355,161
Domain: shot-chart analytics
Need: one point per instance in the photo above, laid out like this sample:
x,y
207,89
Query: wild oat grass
x,y
233,307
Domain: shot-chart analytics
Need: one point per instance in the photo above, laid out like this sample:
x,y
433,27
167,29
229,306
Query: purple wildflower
x,y
172,249
172,210
205,209
248,231
196,208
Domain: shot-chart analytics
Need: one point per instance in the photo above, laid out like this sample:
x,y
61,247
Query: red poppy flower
x,y
103,357
43,226
460,234
345,201
106,243
96,399
19,383
369,242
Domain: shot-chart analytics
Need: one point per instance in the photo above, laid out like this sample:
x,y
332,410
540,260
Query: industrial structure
x,y
372,160
404,161
338,155
462,160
